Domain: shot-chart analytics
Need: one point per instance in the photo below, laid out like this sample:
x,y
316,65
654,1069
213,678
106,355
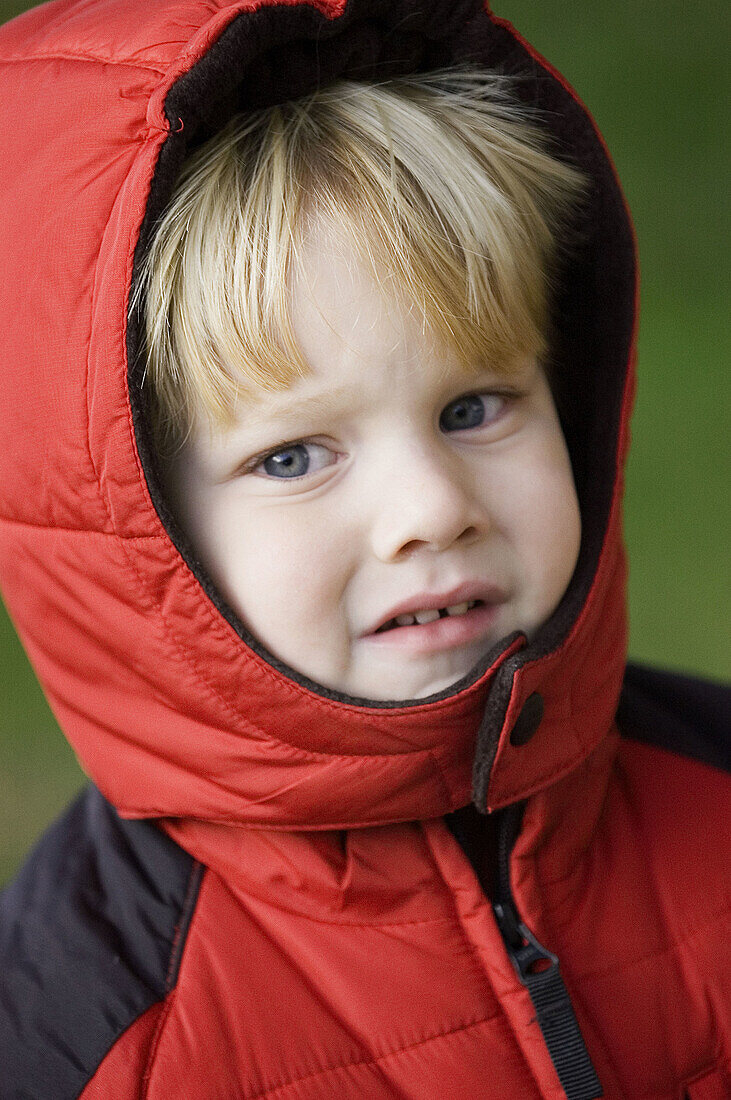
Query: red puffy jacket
x,y
514,889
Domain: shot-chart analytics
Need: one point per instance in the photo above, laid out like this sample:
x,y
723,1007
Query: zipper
x,y
539,971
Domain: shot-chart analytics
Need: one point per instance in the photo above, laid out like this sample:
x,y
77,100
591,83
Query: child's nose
x,y
425,506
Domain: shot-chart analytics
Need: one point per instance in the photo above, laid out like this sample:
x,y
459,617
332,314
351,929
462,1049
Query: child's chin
x,y
393,688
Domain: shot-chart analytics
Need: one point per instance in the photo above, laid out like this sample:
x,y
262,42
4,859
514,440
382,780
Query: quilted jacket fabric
x,y
272,890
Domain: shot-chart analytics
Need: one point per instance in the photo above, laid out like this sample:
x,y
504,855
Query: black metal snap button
x,y
528,721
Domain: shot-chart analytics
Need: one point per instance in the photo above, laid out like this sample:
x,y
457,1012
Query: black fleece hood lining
x,y
282,52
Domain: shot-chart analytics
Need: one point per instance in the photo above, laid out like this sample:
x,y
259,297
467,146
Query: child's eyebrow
x,y
328,402
284,409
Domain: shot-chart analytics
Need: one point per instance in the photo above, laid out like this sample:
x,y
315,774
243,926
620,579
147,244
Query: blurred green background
x,y
654,76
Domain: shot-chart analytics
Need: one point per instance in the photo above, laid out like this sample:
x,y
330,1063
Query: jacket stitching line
x,y
191,894
265,826
331,704
552,909
439,772
12,521
549,883
371,926
167,1008
121,335
87,440
374,926
242,720
158,69
268,827
170,993
183,657
142,587
373,1061
453,920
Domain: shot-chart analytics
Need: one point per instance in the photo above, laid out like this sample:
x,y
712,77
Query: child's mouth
x,y
429,615
437,629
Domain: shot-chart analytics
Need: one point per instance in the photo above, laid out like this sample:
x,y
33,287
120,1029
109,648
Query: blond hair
x,y
441,179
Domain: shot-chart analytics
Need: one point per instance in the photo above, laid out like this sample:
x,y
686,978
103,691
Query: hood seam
x,y
55,56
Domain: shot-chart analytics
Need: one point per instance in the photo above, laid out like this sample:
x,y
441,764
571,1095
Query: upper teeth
x,y
430,614
426,616
460,608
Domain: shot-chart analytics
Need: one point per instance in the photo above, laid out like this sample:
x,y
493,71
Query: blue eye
x,y
296,460
292,462
470,411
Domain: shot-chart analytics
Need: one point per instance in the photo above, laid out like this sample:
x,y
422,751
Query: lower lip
x,y
447,633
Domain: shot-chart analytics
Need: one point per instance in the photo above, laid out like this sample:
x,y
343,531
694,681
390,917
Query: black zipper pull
x,y
538,970
528,956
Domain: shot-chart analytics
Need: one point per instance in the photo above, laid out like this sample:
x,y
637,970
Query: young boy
x,y
397,449
315,544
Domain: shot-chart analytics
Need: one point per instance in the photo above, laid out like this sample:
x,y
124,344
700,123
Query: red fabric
x,y
341,944
123,1071
709,1086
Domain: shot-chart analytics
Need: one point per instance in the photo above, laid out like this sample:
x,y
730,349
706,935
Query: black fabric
x,y
91,933
285,51
476,834
561,1033
680,713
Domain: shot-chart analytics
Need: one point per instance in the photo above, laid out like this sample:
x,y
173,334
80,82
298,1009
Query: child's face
x,y
386,484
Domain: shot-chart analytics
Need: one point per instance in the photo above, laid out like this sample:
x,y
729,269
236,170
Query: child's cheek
x,y
538,515
553,537
286,579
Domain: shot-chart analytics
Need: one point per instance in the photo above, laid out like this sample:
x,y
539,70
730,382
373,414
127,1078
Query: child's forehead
x,y
345,301
332,271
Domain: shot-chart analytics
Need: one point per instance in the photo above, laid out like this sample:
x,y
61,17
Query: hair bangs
x,y
441,183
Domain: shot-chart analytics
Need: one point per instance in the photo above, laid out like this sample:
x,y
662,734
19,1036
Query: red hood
x,y
171,708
